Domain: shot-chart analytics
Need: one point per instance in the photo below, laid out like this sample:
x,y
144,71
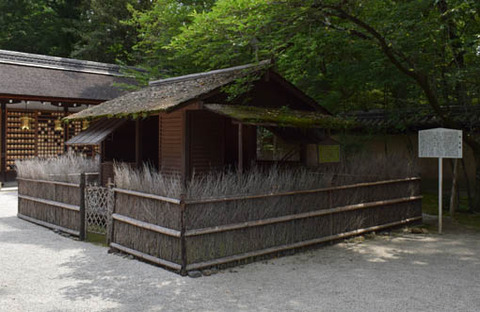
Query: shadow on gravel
x,y
406,268
402,272
20,232
8,196
19,224
133,285
421,250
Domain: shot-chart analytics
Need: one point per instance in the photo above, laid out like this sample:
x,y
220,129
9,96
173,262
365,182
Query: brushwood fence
x,y
185,235
57,205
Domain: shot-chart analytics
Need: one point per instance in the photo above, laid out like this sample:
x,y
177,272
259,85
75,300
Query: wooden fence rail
x,y
185,235
170,232
53,204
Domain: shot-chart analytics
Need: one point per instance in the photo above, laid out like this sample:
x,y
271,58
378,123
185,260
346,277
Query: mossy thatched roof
x,y
167,94
280,117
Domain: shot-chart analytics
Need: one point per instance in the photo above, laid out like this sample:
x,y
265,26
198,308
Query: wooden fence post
x,y
240,149
183,241
110,219
83,230
331,218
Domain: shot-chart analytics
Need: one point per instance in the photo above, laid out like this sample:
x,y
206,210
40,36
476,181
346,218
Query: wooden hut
x,y
190,123
35,92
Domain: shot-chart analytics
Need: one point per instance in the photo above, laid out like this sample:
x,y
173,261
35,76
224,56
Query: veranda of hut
x,y
183,125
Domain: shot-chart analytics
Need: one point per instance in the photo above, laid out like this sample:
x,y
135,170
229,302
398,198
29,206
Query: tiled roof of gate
x,y
403,120
26,74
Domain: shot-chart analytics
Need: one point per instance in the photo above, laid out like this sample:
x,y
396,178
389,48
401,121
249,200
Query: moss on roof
x,y
164,95
282,117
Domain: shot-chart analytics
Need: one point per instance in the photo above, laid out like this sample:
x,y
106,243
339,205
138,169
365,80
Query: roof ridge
x,y
59,63
208,73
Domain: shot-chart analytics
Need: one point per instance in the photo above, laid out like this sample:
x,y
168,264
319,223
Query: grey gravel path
x,y
43,271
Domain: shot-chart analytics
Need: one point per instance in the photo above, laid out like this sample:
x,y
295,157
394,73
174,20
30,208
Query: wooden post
x,y
440,190
138,154
240,148
65,129
3,127
110,219
331,219
186,168
83,229
183,241
160,165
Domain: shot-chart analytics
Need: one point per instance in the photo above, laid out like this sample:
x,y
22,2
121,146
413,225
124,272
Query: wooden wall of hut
x,y
272,94
267,93
171,141
213,142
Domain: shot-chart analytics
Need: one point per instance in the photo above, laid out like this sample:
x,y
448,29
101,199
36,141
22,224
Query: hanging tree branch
x,y
392,54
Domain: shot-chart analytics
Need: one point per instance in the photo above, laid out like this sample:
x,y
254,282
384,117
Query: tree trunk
x,y
467,181
476,190
422,79
453,193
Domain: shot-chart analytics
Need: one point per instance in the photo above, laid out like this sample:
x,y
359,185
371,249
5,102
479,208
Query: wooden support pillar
x,y
138,143
240,148
160,164
310,155
186,170
3,138
65,129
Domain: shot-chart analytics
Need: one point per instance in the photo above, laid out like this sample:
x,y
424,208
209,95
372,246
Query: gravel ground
x,y
43,271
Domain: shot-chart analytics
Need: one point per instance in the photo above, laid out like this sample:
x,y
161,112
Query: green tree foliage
x,y
324,48
38,26
157,27
347,54
104,35
87,29
339,70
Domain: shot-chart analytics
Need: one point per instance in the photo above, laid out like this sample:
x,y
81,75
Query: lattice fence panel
x,y
98,209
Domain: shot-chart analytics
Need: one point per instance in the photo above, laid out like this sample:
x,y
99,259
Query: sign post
x,y
440,143
440,194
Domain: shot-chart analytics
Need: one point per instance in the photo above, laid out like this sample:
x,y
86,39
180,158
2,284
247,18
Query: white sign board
x,y
440,143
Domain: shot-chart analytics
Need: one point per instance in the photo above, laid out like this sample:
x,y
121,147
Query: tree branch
x,y
391,54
